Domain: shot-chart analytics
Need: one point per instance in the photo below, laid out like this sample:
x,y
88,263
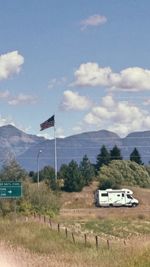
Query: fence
x,y
87,239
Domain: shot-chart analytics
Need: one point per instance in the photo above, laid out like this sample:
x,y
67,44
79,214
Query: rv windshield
x,y
129,196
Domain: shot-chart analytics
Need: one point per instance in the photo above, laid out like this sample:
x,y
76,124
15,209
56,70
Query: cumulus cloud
x,y
91,74
73,101
10,64
94,20
118,116
22,99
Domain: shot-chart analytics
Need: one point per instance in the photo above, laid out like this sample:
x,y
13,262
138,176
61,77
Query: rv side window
x,y
122,194
104,195
118,195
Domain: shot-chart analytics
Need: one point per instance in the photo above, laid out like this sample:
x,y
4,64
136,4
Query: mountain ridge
x,y
15,143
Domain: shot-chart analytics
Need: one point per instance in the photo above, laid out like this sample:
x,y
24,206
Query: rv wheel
x,y
134,205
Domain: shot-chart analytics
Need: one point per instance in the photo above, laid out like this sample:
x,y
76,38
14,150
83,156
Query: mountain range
x,y
24,147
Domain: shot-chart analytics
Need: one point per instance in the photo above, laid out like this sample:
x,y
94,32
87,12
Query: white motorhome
x,y
115,198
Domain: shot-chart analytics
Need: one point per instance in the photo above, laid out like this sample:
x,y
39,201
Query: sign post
x,y
9,189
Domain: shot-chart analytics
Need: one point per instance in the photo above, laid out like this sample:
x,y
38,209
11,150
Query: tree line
x,y
73,177
105,156
110,170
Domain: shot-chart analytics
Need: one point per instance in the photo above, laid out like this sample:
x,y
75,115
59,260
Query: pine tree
x,y
73,181
103,158
87,170
135,156
115,153
12,171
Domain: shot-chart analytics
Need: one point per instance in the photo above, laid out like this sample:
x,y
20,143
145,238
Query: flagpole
x,y
55,151
46,124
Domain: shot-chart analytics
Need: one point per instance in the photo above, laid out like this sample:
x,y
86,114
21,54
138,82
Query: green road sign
x,y
10,189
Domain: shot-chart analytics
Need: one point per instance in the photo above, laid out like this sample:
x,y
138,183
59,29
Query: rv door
x,y
104,201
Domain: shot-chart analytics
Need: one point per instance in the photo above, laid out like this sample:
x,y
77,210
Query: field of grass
x,y
121,228
54,250
34,243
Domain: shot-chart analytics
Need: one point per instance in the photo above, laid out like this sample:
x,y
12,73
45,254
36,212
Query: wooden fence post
x,y
58,228
108,244
96,239
66,232
85,240
73,238
50,223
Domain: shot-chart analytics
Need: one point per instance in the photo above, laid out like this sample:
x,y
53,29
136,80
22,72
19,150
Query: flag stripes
x,y
48,123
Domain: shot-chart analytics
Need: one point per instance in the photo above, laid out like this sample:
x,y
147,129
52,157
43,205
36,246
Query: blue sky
x,y
86,61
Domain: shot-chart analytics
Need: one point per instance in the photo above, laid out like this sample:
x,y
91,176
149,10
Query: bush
x,y
121,172
40,200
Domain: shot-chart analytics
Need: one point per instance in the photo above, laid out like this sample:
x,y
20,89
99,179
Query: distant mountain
x,y
14,142
25,147
73,147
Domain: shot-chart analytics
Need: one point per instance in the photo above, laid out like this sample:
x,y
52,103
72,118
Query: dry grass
x,y
33,244
81,205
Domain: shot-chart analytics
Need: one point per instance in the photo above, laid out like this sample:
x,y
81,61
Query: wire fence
x,y
86,239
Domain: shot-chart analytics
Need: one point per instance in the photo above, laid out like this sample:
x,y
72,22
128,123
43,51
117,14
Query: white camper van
x,y
115,198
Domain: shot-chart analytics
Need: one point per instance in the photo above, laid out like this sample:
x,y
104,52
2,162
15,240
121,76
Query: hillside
x,y
81,205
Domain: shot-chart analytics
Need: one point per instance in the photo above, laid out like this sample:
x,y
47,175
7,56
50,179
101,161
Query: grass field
x,y
44,246
34,243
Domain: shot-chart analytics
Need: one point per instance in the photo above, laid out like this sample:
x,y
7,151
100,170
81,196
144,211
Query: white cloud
x,y
45,135
4,94
74,101
10,64
6,120
77,129
118,116
60,132
130,79
94,20
22,99
53,83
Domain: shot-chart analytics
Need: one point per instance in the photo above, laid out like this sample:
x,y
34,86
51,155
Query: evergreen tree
x,y
87,170
115,153
63,171
47,173
11,171
135,156
73,181
102,158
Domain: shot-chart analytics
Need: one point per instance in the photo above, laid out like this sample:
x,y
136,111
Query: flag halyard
x,y
48,123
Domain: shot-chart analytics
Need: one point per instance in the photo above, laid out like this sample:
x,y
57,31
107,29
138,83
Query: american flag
x,y
49,123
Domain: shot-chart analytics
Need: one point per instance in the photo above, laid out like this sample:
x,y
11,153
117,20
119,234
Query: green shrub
x,y
121,172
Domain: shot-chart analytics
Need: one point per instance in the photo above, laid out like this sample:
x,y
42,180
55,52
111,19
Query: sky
x,y
85,61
